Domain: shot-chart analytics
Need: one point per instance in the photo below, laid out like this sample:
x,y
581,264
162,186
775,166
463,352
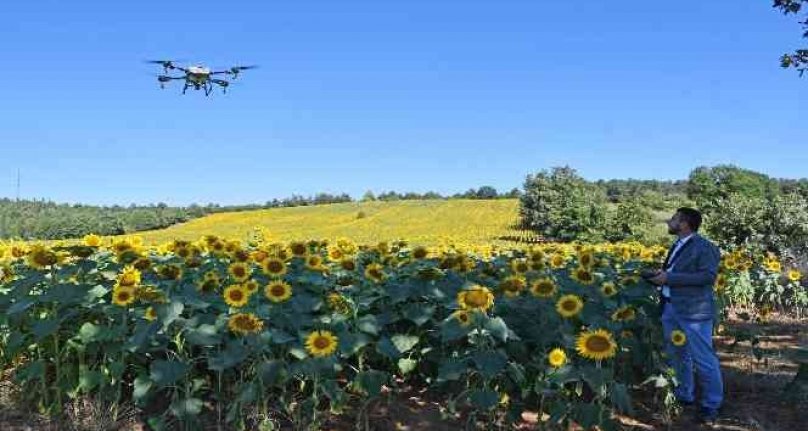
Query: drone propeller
x,y
237,69
222,83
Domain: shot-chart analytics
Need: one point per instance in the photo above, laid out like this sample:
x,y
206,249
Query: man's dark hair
x,y
691,216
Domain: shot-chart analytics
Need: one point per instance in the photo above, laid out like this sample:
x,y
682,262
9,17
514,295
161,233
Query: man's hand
x,y
660,279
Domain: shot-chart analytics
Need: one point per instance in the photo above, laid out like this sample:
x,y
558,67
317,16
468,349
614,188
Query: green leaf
x,y
490,363
587,415
404,343
164,373
484,399
350,344
280,337
368,324
184,408
142,386
20,306
44,328
89,379
497,328
371,382
168,313
419,313
272,371
232,355
386,347
90,333
451,330
407,365
203,335
451,369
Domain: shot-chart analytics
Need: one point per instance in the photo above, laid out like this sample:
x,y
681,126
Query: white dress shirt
x,y
666,291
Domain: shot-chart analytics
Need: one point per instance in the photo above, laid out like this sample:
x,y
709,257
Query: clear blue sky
x,y
406,95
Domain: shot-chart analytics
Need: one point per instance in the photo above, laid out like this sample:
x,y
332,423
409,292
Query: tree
x,y
561,205
486,192
708,185
799,58
368,196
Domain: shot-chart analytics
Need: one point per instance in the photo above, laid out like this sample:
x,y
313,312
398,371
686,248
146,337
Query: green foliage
x,y
708,185
799,58
561,205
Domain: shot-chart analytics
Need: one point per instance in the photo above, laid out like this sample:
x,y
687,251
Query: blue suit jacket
x,y
692,277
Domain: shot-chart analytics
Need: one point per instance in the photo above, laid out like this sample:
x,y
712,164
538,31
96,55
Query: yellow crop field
x,y
430,222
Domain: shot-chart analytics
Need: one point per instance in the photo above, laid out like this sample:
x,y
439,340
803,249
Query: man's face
x,y
675,224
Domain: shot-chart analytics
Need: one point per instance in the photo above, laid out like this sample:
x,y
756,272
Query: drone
x,y
199,77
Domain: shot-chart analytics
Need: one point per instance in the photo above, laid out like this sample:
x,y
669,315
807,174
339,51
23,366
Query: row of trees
x,y
741,207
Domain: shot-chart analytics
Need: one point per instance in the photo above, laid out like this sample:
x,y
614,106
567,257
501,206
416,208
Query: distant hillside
x,y
425,222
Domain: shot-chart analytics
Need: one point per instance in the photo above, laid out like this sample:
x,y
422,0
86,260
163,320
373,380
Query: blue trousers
x,y
697,353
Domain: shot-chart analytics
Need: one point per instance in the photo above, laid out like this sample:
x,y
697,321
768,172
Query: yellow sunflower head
x,y
678,338
558,261
40,257
129,277
557,358
314,262
583,275
239,271
420,252
150,314
624,314
543,288
236,295
586,258
278,291
274,266
608,289
569,305
170,271
123,296
251,286
519,266
794,275
513,286
298,248
321,343
348,264
475,298
335,253
463,317
375,272
245,324
92,240
596,345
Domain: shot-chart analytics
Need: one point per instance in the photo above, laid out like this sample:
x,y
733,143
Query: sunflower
x,y
335,253
375,272
569,305
129,277
239,271
463,317
92,240
543,288
420,252
624,314
774,266
251,286
794,275
298,248
513,286
170,271
259,256
278,291
123,295
150,314
348,264
557,358
596,345
475,298
583,275
519,266
40,257
586,258
241,255
338,304
236,295
142,263
321,343
720,282
608,289
210,282
274,266
314,262
678,338
149,294
245,323
558,261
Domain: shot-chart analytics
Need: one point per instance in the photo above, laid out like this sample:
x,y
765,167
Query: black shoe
x,y
708,416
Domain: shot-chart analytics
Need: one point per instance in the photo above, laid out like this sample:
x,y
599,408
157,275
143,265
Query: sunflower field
x,y
268,335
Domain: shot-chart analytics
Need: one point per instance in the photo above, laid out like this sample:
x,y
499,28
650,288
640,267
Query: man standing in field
x,y
688,312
